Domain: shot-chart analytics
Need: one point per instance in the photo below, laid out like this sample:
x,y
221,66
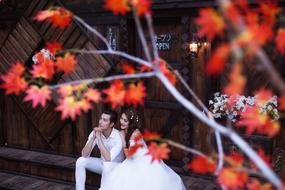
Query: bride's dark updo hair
x,y
134,123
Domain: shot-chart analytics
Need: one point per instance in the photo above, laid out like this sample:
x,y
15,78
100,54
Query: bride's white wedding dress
x,y
138,173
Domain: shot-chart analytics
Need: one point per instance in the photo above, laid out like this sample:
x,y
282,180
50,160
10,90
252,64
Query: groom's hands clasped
x,y
97,132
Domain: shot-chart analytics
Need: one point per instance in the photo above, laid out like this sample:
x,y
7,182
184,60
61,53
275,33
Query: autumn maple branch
x,y
105,79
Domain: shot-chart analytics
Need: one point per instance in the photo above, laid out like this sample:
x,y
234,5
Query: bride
x,y
137,172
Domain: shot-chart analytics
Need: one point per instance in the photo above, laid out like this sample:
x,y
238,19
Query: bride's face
x,y
124,121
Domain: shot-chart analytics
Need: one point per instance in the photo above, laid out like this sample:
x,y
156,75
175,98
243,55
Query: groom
x,y
109,143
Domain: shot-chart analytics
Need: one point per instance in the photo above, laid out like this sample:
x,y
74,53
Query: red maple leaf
x,y
132,149
264,157
202,165
281,103
158,152
235,159
117,6
252,119
232,179
210,22
260,38
115,93
53,47
145,68
269,10
150,136
59,17
44,69
68,107
232,12
280,40
127,68
38,95
165,70
135,94
255,184
93,95
236,81
271,128
66,63
13,81
13,84
217,61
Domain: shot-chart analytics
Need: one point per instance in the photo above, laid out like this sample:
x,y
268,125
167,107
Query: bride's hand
x,y
126,151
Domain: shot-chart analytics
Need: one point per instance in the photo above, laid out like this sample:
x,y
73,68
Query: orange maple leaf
x,y
158,152
43,15
132,149
202,165
93,95
210,22
135,94
253,120
84,105
65,90
217,61
13,81
263,95
38,95
115,93
237,81
142,7
44,69
68,107
53,47
117,6
232,179
18,68
255,184
280,40
66,63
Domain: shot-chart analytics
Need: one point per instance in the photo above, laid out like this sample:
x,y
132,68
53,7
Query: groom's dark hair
x,y
113,115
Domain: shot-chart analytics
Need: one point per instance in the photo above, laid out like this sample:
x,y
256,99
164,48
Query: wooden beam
x,y
162,105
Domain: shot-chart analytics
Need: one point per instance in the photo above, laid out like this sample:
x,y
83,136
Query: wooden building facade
x,y
42,132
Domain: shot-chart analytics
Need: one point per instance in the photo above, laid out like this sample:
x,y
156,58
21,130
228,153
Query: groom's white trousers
x,y
90,163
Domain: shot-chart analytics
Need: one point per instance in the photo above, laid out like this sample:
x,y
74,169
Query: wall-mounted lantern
x,y
195,45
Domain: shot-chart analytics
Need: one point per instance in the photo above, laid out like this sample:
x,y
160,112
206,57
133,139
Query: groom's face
x,y
105,122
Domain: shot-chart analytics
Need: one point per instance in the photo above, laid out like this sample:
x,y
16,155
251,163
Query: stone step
x,y
14,181
50,166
